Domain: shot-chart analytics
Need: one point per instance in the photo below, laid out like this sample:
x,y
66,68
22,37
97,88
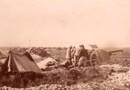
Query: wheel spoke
x,y
93,59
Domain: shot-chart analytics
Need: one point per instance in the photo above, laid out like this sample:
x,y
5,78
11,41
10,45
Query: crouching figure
x,y
81,56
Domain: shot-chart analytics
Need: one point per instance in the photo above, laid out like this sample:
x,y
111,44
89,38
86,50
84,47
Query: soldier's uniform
x,y
81,57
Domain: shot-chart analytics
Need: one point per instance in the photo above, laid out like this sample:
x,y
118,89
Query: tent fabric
x,y
20,63
2,61
2,54
36,58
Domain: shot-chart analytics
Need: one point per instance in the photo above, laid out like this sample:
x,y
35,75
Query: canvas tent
x,y
36,58
2,61
39,51
20,63
3,57
2,54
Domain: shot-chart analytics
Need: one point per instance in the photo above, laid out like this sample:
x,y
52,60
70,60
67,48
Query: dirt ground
x,y
110,75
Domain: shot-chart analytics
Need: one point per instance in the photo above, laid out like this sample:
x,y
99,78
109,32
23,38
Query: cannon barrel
x,y
110,52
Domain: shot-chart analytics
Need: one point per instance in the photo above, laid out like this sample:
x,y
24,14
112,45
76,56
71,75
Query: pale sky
x,y
65,22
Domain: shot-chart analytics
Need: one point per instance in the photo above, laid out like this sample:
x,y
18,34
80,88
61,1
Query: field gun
x,y
98,56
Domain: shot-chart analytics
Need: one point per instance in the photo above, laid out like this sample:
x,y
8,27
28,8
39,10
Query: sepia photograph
x,y
64,44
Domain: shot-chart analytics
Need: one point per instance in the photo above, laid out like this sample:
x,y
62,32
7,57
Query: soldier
x,y
69,56
81,56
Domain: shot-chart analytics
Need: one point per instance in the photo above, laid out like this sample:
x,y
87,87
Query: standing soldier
x,y
69,56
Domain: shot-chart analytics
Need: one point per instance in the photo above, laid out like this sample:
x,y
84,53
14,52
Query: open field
x,y
110,75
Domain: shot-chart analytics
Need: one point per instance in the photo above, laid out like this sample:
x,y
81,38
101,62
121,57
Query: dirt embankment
x,y
112,75
104,77
59,76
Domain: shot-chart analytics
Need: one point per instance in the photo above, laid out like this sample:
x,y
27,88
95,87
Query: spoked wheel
x,y
94,59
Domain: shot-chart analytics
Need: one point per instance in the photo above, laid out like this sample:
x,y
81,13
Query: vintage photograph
x,y
64,44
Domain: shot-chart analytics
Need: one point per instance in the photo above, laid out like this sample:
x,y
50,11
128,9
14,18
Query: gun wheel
x,y
94,59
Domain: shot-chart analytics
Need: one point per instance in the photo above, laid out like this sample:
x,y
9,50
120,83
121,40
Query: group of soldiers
x,y
76,56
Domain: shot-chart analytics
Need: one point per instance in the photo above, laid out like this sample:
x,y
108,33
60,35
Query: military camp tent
x,y
39,51
2,61
36,58
2,58
2,54
20,63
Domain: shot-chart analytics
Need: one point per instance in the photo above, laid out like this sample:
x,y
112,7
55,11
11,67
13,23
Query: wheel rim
x,y
94,60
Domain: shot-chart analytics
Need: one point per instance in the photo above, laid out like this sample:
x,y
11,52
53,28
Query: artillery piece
x,y
98,55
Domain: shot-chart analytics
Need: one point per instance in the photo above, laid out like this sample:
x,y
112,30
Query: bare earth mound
x,y
104,77
111,75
